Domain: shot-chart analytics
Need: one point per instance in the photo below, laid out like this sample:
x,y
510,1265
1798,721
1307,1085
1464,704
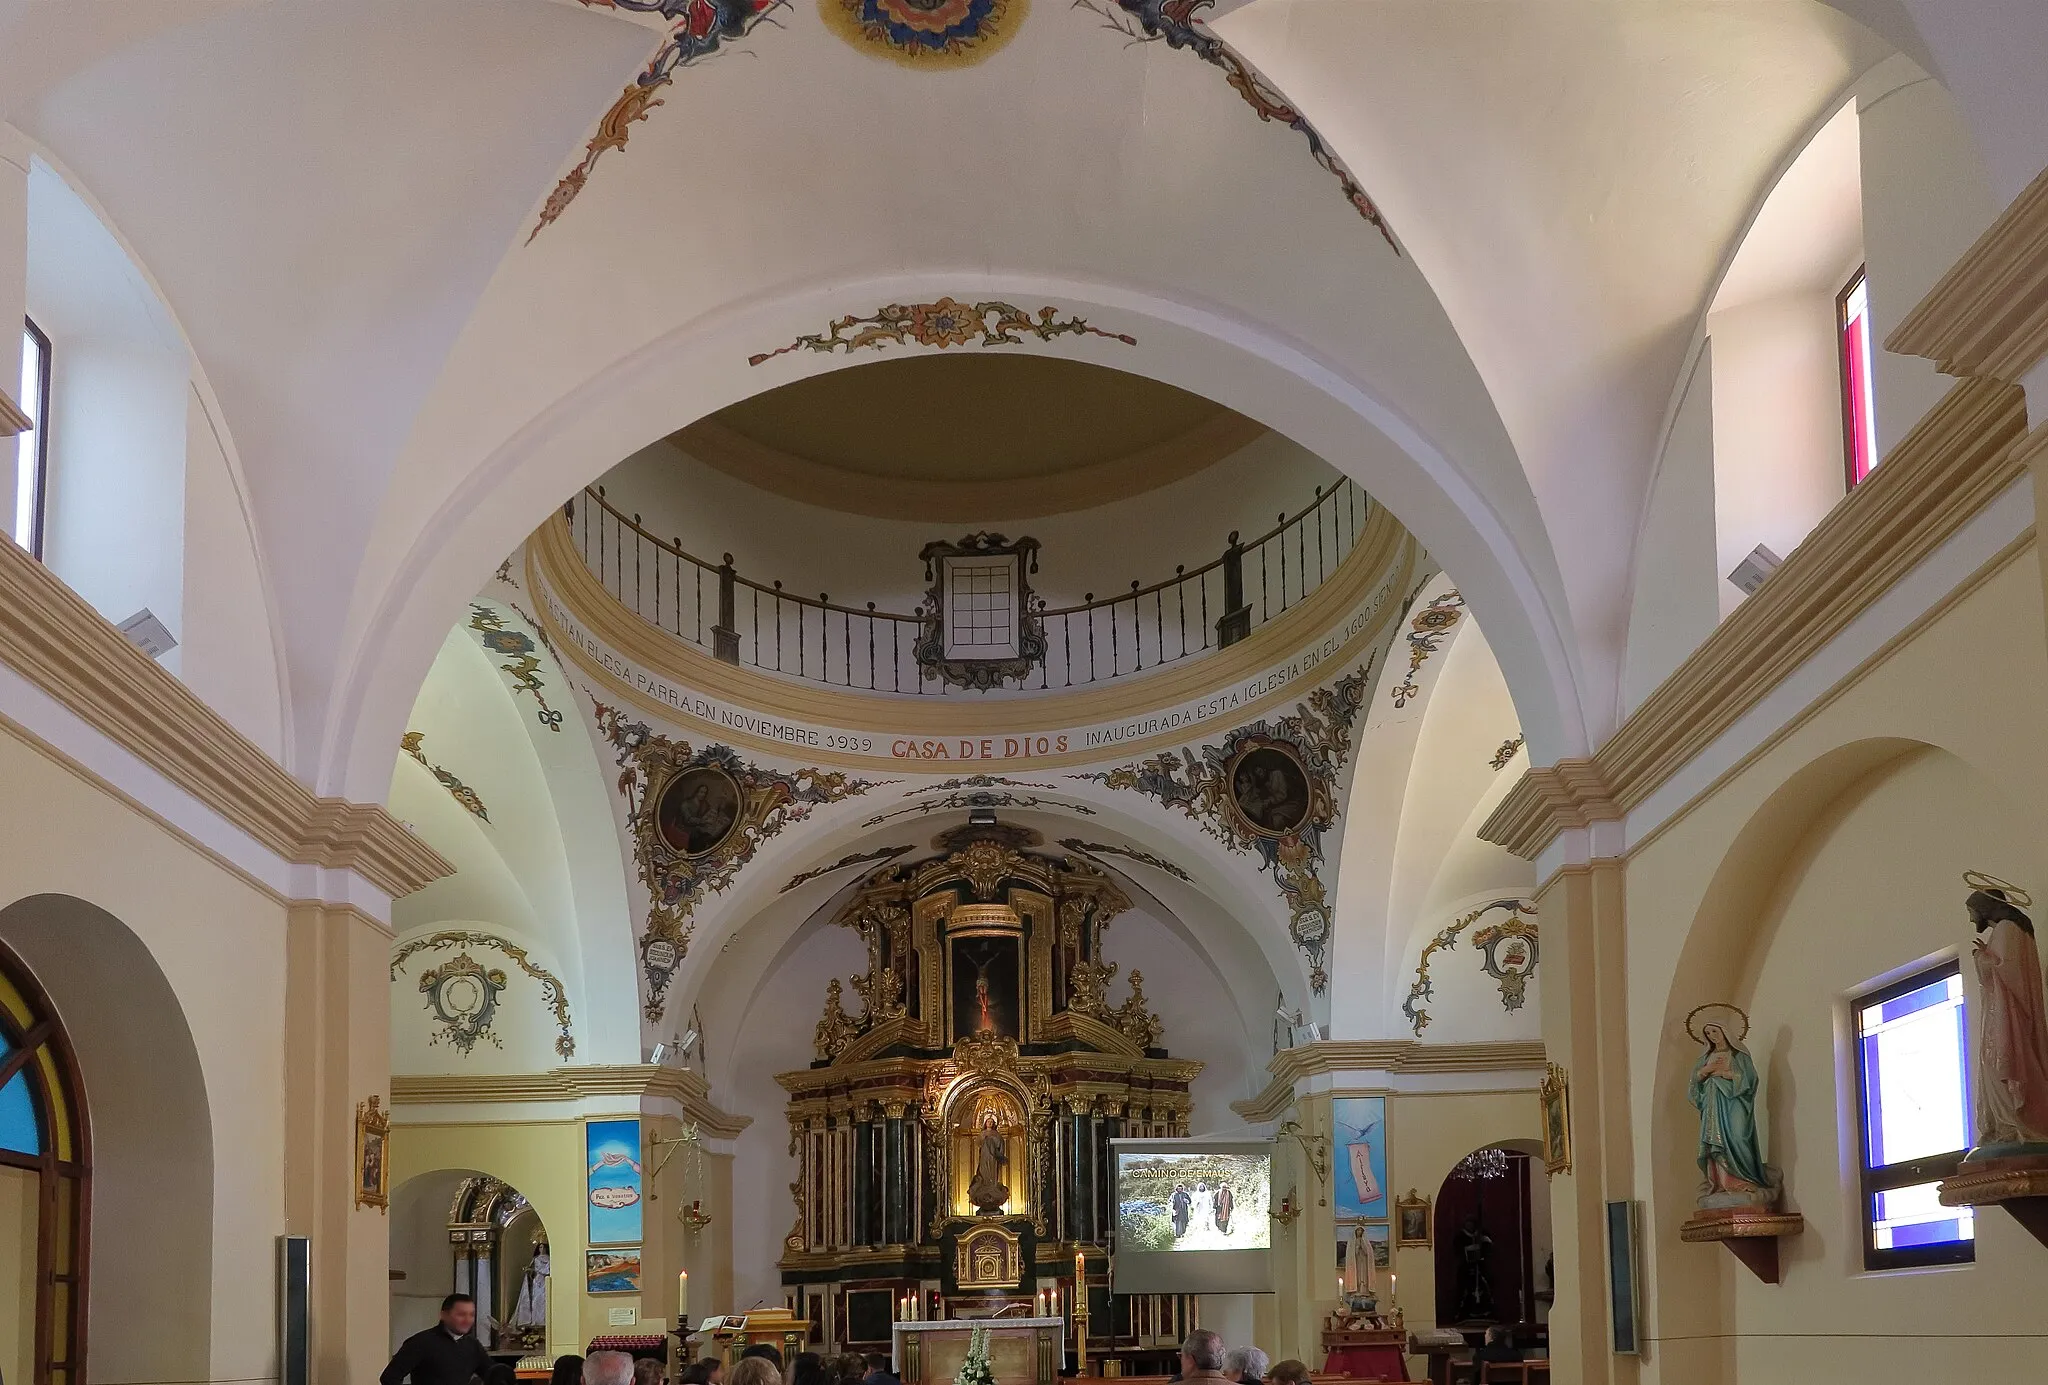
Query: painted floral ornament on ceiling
x,y
925,33
945,323
1180,26
462,994
696,29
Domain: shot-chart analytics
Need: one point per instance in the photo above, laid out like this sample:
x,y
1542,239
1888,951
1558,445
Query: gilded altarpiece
x,y
952,1137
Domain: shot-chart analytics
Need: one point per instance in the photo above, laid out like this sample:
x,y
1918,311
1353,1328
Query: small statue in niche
x,y
2012,1033
988,1190
1723,1090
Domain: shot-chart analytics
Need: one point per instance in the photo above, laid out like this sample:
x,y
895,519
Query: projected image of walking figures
x,y
1193,1201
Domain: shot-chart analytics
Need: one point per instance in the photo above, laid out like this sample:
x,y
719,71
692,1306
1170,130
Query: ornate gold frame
x,y
1556,1089
1412,1203
1316,795
372,1120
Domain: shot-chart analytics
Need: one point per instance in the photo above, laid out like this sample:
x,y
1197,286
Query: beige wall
x,y
1829,862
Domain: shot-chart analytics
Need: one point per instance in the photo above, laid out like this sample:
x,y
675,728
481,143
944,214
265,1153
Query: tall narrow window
x,y
1912,1082
32,461
1859,412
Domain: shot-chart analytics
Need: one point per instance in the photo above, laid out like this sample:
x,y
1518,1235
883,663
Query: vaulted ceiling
x,y
335,198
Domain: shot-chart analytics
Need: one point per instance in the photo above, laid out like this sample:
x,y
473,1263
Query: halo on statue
x,y
2014,895
1717,1007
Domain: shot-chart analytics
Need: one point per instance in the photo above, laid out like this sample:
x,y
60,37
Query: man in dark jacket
x,y
445,1354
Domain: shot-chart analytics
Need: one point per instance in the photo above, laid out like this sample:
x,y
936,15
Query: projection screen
x,y
1192,1217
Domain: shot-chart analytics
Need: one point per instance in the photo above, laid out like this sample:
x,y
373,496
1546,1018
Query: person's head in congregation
x,y
648,1371
765,1351
1201,1356
752,1369
1288,1372
568,1371
1247,1365
608,1368
809,1369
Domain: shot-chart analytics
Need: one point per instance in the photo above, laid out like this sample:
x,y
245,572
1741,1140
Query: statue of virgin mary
x,y
1724,1091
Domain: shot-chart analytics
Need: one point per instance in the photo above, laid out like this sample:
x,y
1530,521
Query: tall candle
x,y
683,1296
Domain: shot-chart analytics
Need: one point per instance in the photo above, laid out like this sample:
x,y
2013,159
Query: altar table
x,y
1021,1351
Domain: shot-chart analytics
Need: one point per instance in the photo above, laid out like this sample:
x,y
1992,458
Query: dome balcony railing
x,y
741,621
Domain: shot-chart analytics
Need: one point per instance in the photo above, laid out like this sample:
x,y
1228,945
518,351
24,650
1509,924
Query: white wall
x,y
115,508
1926,197
1777,427
811,550
1677,602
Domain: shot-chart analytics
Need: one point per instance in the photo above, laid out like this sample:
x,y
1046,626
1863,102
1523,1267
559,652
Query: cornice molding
x,y
1292,1066
1960,457
12,419
1988,316
800,478
641,1080
61,644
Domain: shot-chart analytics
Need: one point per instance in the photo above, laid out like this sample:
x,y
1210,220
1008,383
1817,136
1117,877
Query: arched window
x,y
45,1183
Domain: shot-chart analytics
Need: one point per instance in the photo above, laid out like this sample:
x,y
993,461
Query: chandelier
x,y
1482,1166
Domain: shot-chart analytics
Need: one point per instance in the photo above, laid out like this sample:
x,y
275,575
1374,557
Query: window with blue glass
x,y
1912,1081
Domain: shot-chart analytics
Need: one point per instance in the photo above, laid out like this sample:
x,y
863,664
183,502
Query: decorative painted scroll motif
x,y
1425,989
462,994
1426,631
1505,753
943,324
1176,21
514,650
930,34
1129,853
1270,788
696,817
1510,949
459,791
697,30
881,853
978,798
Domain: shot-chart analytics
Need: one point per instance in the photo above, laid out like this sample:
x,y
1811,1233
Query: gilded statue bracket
x,y
1750,1233
2019,1185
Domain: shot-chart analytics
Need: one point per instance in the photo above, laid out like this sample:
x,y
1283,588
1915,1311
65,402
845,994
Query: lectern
x,y
1020,1350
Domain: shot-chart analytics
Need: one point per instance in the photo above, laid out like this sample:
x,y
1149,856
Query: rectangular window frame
x,y
1907,1173
33,539
1855,439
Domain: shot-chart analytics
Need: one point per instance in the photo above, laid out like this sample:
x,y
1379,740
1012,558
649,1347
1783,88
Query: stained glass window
x,y
32,449
19,1129
1859,402
1912,1071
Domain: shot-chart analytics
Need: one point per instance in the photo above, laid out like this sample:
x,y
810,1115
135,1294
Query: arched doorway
x,y
45,1187
1493,1241
458,1231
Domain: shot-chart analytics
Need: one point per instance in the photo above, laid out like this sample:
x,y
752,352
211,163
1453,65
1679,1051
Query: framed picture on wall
x,y
1411,1219
1623,1285
1556,1097
614,1271
373,1167
1359,1124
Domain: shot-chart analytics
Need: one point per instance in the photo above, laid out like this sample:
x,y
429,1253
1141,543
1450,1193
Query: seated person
x,y
1288,1372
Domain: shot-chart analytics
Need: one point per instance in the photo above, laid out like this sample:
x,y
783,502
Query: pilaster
x,y
337,1055
1585,1014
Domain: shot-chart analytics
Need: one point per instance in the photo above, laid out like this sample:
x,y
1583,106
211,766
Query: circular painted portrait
x,y
698,810
1270,790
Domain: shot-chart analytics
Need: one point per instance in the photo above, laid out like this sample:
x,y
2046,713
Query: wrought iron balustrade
x,y
764,626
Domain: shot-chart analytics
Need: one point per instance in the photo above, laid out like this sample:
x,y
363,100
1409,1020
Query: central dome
x,y
963,438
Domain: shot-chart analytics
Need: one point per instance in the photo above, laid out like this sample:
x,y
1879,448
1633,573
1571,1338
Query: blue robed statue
x,y
1724,1091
